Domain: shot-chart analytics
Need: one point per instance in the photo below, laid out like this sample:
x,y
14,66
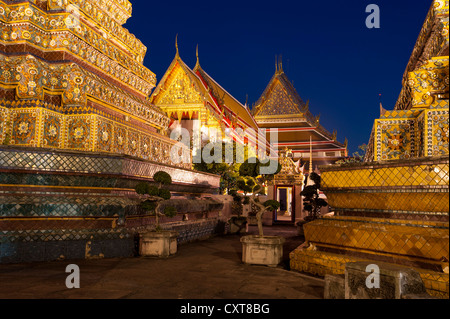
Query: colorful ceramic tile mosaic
x,y
78,132
422,133
394,207
90,75
58,203
41,127
425,239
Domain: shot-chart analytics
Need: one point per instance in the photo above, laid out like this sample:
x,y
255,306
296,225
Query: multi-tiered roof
x,y
281,109
186,94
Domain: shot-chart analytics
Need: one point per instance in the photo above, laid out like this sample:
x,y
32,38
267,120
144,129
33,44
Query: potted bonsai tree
x,y
312,203
260,249
157,243
229,173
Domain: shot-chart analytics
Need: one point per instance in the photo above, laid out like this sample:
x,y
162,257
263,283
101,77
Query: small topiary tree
x,y
312,203
237,222
245,184
228,171
253,183
237,203
156,197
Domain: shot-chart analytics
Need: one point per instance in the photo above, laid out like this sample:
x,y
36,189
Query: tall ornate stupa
x,y
77,131
394,207
72,78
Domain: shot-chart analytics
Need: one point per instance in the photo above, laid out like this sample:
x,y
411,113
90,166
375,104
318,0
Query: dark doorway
x,y
285,195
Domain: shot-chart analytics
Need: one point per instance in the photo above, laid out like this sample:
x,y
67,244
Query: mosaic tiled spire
x,y
418,124
395,209
72,77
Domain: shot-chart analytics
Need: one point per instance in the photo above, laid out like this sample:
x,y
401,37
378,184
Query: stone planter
x,y
266,250
158,244
238,224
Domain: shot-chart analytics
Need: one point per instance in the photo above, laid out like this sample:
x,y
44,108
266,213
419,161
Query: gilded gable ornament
x,y
180,90
290,172
306,107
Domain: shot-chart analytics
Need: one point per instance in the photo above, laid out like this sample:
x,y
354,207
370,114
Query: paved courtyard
x,y
210,269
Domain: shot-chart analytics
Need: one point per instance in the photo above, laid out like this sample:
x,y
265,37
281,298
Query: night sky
x,y
328,53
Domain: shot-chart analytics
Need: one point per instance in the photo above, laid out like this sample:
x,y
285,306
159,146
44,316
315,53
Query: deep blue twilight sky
x,y
333,59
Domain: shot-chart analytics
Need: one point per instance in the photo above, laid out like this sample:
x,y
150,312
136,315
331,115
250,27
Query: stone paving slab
x,y
210,269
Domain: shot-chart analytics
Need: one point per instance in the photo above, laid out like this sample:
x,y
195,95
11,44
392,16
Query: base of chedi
x,y
56,204
394,212
78,133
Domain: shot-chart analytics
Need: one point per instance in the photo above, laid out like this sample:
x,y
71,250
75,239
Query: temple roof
x,y
224,107
280,106
279,98
226,99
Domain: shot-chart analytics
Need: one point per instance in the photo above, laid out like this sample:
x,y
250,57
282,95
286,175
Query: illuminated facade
x,y
78,132
301,140
394,207
186,95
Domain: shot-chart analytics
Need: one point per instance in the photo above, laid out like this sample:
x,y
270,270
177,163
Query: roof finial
x,y
276,63
310,155
310,182
197,65
176,44
280,64
307,107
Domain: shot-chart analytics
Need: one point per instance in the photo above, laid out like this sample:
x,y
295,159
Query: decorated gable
x,y
278,102
178,89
